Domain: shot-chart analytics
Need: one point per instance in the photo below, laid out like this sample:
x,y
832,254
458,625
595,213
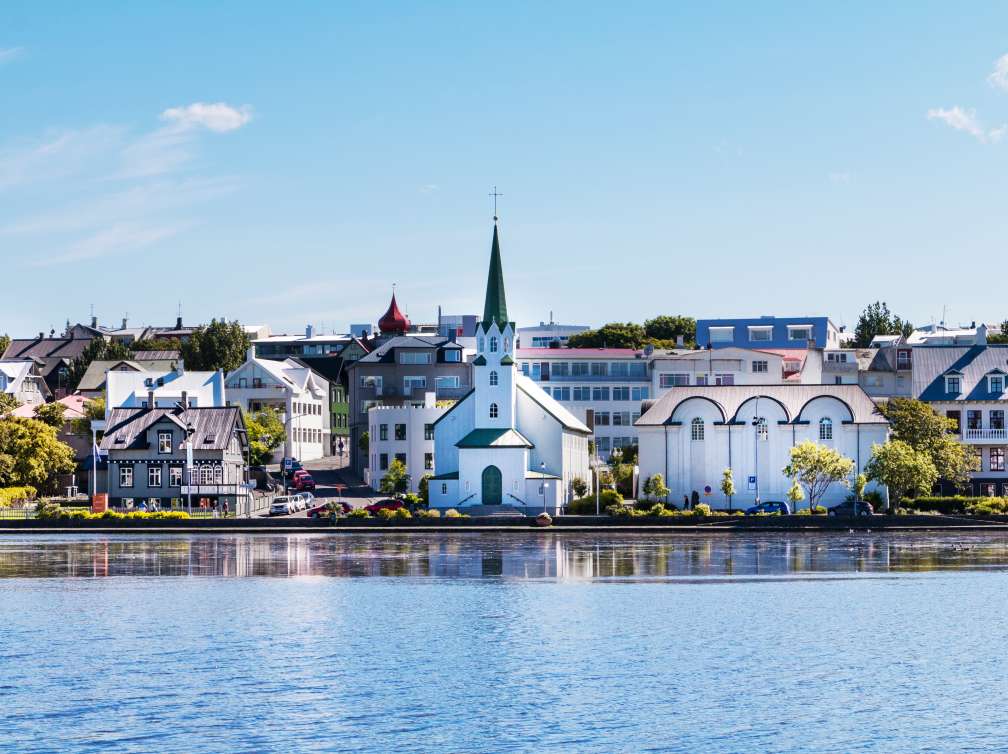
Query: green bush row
x,y
9,495
51,512
585,506
660,511
948,505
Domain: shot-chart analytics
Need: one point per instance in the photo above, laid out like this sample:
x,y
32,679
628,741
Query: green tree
x,y
219,345
611,335
94,410
817,467
902,469
917,424
5,341
579,487
654,487
999,338
364,442
98,349
728,485
795,495
156,344
265,434
860,482
396,480
876,319
667,328
52,414
7,403
423,488
31,453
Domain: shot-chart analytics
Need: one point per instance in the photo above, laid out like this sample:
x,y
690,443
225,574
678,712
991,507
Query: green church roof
x,y
495,308
494,438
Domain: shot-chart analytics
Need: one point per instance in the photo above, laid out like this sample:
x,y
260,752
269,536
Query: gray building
x,y
401,371
147,456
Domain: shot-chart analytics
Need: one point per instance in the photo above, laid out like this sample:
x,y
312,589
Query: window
x,y
722,334
602,445
414,357
579,369
760,367
638,369
697,428
600,393
978,458
453,355
400,432
480,343
601,418
507,344
974,419
164,441
493,378
622,419
996,383
619,369
952,385
562,393
673,380
599,369
218,474
125,476
444,489
446,381
724,379
903,358
760,333
383,461
383,432
493,411
174,476
401,458
997,459
371,381
154,476
761,428
428,461
428,431
825,428
561,369
799,333
581,393
997,419
639,393
621,393
493,344
414,383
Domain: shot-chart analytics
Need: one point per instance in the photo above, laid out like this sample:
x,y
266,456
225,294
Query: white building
x,y
299,394
506,442
136,389
18,378
692,434
548,335
402,433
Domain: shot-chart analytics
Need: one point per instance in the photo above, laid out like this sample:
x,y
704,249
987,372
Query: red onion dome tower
x,y
393,321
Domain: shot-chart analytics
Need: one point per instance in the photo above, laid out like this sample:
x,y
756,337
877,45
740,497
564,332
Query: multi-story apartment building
x,y
547,335
401,370
402,433
970,386
728,366
130,389
769,332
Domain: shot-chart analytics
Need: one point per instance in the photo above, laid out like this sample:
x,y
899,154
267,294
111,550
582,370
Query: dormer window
x,y
995,383
164,442
953,384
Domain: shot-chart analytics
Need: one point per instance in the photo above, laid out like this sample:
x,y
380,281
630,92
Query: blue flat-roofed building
x,y
768,332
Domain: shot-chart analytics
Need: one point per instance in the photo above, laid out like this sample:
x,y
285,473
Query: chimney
x,y
251,353
981,335
94,322
150,399
41,336
309,331
185,399
124,323
178,322
180,366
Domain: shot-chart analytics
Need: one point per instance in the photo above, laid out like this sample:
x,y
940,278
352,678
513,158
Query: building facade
x,y
20,379
548,335
402,433
129,389
769,332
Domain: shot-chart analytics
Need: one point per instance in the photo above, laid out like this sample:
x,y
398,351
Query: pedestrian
x,y
685,502
225,509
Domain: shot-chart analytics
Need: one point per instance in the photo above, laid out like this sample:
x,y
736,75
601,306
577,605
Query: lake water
x,y
522,641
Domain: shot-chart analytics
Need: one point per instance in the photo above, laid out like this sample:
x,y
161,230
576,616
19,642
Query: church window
x,y
697,427
493,411
761,428
825,428
480,343
507,344
493,378
493,344
444,489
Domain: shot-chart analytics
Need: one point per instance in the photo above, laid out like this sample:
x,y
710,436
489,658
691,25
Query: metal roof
x,y
932,363
213,426
792,399
532,389
94,375
494,438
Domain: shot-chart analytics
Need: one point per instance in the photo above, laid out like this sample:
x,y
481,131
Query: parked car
x,y
295,466
303,481
282,506
308,498
300,502
851,509
323,510
781,508
392,505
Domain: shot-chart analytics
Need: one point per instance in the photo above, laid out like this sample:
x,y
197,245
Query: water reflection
x,y
527,556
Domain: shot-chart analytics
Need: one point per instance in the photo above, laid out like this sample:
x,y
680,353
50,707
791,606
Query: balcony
x,y
984,435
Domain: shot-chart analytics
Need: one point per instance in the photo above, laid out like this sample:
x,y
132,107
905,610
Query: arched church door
x,y
491,486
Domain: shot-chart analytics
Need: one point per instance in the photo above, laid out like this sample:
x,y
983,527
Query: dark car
x,y
392,505
303,482
781,508
851,509
323,510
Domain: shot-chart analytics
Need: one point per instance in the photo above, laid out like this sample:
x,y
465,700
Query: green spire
x,y
495,308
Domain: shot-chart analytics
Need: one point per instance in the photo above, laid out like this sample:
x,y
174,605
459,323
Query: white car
x,y
282,506
309,500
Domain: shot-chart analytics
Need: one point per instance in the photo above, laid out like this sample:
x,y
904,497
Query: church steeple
x,y
495,307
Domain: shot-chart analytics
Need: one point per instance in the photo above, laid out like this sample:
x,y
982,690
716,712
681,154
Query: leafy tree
x,y
860,482
30,453
579,486
51,414
7,403
654,487
667,328
5,341
917,424
728,485
902,469
219,345
265,434
98,349
364,442
396,480
816,467
876,319
795,494
612,335
999,337
156,344
94,409
423,488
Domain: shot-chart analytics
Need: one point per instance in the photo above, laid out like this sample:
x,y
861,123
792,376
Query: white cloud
x,y
219,116
9,53
117,238
999,77
966,120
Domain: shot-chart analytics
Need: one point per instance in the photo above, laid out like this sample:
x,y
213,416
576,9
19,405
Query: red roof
x,y
393,320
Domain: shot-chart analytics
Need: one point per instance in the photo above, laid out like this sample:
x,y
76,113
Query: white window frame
x,y
825,428
493,378
761,331
494,411
154,470
761,366
126,476
809,330
721,334
174,476
697,429
163,447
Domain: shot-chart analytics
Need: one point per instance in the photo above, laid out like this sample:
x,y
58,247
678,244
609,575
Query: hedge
x,y
944,505
9,495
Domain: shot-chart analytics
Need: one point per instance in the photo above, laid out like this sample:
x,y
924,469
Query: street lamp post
x,y
756,437
542,469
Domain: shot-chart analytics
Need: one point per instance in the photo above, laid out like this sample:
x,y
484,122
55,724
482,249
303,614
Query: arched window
x,y
493,344
697,428
493,410
507,345
825,428
480,343
761,428
493,377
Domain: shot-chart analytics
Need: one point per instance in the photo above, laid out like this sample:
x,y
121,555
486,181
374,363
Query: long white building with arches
x,y
692,434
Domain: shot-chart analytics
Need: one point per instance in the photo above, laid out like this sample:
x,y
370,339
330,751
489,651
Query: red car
x,y
391,505
303,482
324,509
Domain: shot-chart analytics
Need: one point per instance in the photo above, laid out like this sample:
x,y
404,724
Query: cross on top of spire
x,y
493,195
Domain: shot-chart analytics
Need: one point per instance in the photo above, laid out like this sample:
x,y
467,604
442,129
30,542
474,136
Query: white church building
x,y
692,434
506,442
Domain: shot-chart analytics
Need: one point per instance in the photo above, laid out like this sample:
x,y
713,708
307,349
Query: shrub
x,y
583,507
452,513
358,513
701,509
402,514
9,495
819,510
948,505
875,498
988,506
433,513
579,486
412,499
386,514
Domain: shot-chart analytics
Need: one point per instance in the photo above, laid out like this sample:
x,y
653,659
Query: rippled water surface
x,y
522,641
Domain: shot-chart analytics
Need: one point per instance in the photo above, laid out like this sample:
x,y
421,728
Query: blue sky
x,y
285,165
